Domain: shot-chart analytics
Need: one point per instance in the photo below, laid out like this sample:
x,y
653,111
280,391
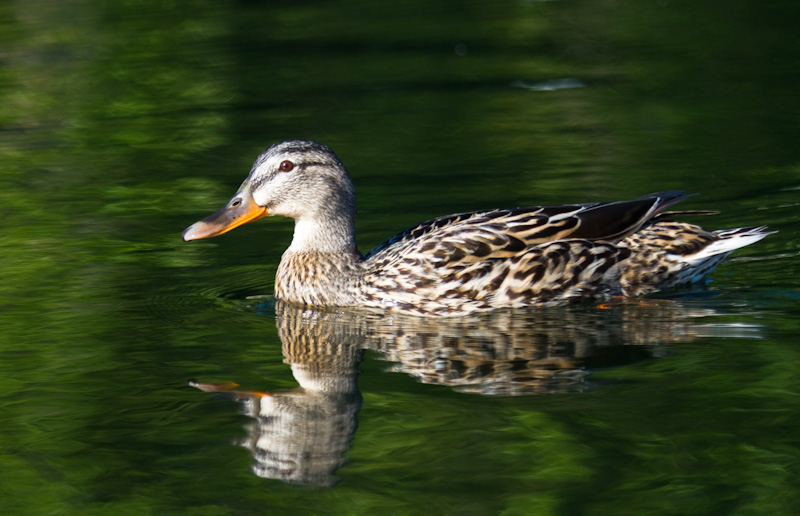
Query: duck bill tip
x,y
197,231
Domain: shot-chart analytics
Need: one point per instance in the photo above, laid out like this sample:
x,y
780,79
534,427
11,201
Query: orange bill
x,y
239,210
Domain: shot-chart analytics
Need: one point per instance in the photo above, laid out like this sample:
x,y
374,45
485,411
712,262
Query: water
x,y
122,123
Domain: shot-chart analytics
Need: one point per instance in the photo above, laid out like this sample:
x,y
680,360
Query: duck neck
x,y
322,266
335,236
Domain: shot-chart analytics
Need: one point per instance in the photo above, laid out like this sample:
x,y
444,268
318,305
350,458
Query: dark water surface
x,y
123,122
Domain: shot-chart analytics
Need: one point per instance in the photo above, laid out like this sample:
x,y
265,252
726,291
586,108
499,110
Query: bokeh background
x,y
122,122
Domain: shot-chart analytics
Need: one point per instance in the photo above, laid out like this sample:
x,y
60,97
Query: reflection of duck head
x,y
301,435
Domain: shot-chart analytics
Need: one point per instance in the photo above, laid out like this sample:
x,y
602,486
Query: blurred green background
x,y
122,122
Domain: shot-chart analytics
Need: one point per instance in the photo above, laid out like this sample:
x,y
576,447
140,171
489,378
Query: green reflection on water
x,y
123,122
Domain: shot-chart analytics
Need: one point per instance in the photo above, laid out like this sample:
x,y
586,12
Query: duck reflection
x,y
301,436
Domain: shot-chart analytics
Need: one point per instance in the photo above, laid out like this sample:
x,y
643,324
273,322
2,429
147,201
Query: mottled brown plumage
x,y
465,262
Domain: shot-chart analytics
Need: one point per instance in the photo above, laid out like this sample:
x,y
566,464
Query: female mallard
x,y
470,261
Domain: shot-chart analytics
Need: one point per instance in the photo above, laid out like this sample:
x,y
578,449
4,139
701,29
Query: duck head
x,y
300,179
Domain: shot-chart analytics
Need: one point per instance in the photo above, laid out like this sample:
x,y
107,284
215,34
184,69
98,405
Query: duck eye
x,y
286,166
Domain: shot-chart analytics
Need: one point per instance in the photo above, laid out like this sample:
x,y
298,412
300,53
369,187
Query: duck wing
x,y
506,232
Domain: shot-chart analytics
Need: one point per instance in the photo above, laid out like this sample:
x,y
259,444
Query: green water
x,y
124,122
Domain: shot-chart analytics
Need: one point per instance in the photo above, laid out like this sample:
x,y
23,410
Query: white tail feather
x,y
729,241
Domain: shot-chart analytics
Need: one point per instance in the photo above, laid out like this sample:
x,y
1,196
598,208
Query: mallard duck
x,y
456,264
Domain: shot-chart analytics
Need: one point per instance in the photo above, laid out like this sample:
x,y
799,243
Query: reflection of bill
x,y
301,435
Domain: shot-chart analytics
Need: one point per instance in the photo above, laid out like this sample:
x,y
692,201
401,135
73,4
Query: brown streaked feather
x,y
668,254
554,272
503,233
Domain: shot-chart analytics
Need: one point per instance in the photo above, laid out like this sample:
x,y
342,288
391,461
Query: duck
x,y
466,262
